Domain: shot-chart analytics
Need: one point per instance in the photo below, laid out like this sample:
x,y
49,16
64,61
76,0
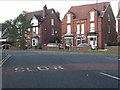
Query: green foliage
x,y
58,38
110,43
11,30
17,29
39,46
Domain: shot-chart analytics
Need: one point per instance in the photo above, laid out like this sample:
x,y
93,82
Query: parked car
x,y
55,45
5,46
52,45
82,45
61,46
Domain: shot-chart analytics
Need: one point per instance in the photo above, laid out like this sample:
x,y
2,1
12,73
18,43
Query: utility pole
x,y
97,23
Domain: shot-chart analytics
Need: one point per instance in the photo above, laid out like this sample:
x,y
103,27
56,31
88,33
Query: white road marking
x,y
29,70
60,67
55,67
108,75
42,68
16,69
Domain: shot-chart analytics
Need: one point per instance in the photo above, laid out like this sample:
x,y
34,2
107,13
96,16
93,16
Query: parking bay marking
x,y
108,75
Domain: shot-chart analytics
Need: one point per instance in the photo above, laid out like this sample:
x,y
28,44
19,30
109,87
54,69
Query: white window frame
x,y
68,29
53,31
82,29
36,30
92,27
92,13
108,17
33,29
52,22
34,21
78,29
108,28
68,18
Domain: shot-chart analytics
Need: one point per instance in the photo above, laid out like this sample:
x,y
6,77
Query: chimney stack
x,y
44,11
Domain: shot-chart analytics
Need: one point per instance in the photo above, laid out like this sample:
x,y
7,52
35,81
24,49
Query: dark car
x,y
6,46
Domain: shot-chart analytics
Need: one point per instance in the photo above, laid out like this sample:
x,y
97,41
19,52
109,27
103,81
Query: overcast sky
x,y
10,9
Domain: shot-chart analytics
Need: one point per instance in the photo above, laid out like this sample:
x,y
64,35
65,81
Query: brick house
x,y
45,27
79,25
118,18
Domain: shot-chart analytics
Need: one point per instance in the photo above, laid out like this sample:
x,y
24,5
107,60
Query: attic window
x,y
92,16
68,18
34,21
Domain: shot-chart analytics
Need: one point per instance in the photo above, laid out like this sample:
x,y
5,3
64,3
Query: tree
x,y
17,30
11,31
22,25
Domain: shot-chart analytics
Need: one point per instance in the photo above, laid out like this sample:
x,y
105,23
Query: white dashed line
x,y
108,75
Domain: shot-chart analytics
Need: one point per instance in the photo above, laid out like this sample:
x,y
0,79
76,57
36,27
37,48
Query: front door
x,y
92,40
34,41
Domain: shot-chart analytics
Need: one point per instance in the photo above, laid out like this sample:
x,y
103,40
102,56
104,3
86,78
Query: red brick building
x,y
45,27
79,25
118,18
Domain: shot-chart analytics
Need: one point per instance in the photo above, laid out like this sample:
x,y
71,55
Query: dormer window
x,y
34,21
92,16
68,18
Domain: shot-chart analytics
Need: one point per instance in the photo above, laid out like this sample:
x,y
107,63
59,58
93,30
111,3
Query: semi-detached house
x,y
45,27
92,24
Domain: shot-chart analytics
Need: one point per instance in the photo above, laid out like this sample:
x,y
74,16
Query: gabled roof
x,y
118,15
37,14
82,11
38,17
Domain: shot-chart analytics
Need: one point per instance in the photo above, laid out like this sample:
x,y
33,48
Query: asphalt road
x,y
48,69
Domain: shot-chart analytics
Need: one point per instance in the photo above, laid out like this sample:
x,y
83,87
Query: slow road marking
x,y
111,76
38,68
